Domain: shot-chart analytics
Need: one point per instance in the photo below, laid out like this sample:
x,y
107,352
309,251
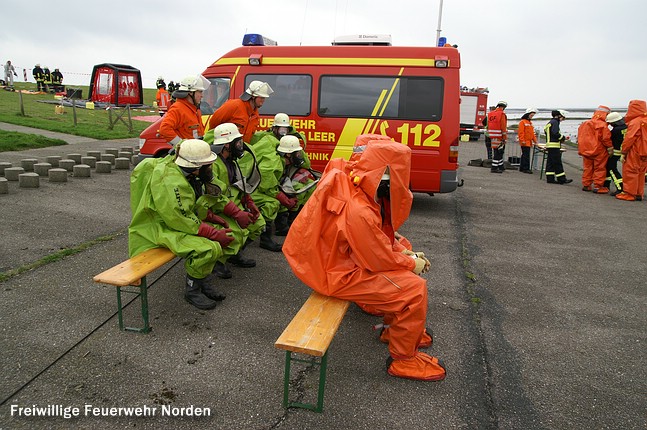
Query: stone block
x,y
42,168
90,161
113,151
104,166
126,149
122,163
57,175
4,186
28,164
135,160
53,160
29,180
67,164
4,165
12,173
95,154
81,171
109,158
125,154
75,157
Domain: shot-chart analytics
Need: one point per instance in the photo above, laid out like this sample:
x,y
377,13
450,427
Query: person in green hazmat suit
x,y
273,202
237,185
164,201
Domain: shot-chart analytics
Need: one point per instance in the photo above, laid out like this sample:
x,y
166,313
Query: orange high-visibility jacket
x,y
526,133
163,99
636,137
497,126
182,121
238,112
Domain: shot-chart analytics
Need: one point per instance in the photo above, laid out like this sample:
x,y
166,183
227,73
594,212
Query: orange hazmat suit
x,y
634,151
593,139
341,245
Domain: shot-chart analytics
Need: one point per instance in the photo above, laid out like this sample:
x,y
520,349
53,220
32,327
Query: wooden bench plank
x,y
131,271
314,326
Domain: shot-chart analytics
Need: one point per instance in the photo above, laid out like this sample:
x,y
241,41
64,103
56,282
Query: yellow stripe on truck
x,y
352,129
332,61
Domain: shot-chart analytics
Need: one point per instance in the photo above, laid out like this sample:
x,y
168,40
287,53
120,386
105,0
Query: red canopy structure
x,y
116,84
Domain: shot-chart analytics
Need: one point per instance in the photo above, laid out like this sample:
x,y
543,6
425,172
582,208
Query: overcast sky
x,y
547,54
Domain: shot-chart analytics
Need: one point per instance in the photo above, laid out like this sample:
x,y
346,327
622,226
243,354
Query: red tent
x,y
116,84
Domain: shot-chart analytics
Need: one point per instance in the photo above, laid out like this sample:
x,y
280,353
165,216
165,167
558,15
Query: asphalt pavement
x,y
537,301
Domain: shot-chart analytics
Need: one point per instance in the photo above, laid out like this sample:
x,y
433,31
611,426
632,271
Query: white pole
x,y
440,18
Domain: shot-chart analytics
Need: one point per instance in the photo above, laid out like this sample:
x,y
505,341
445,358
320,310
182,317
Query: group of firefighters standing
x,y
220,189
603,140
47,81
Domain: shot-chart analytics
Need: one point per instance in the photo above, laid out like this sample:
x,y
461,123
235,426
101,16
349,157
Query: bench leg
x,y
142,293
322,364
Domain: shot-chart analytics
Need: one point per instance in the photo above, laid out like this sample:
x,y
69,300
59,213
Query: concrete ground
x,y
537,299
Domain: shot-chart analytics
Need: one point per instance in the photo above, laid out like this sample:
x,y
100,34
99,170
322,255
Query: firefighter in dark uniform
x,y
618,130
554,168
47,79
57,80
39,76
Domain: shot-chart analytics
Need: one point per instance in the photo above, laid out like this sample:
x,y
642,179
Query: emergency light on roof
x,y
257,40
364,39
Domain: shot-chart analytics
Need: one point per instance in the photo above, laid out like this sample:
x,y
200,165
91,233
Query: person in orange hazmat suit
x,y
593,141
634,152
343,245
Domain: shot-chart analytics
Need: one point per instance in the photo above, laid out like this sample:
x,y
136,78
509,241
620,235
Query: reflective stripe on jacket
x,y
553,135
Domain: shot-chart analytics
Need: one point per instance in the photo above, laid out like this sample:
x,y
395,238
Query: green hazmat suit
x,y
231,192
273,172
163,205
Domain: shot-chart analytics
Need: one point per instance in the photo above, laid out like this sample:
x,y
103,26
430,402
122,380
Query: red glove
x,y
215,219
211,233
251,206
288,202
244,219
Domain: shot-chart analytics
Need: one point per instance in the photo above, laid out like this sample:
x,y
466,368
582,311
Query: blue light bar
x,y
252,39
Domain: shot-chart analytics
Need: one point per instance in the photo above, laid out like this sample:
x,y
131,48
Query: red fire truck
x,y
473,111
335,93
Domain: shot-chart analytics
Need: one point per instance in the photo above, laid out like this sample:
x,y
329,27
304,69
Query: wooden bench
x,y
310,332
132,273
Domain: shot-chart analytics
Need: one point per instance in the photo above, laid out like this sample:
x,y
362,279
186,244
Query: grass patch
x,y
56,256
89,122
12,141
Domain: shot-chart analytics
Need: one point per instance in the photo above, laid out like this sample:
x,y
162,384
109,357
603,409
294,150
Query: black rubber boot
x,y
195,296
210,291
222,271
266,241
240,261
281,224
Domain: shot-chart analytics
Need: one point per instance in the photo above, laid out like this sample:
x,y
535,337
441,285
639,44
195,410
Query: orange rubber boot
x,y
425,342
601,190
625,196
421,367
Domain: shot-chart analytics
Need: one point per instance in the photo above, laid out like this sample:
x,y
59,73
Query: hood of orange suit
x,y
601,112
367,174
636,108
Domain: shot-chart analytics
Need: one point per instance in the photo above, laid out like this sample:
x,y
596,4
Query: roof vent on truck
x,y
364,39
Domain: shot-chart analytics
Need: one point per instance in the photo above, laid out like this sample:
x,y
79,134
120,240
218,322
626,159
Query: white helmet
x,y
502,103
225,133
194,83
281,120
288,144
613,117
194,153
532,110
257,89
563,112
